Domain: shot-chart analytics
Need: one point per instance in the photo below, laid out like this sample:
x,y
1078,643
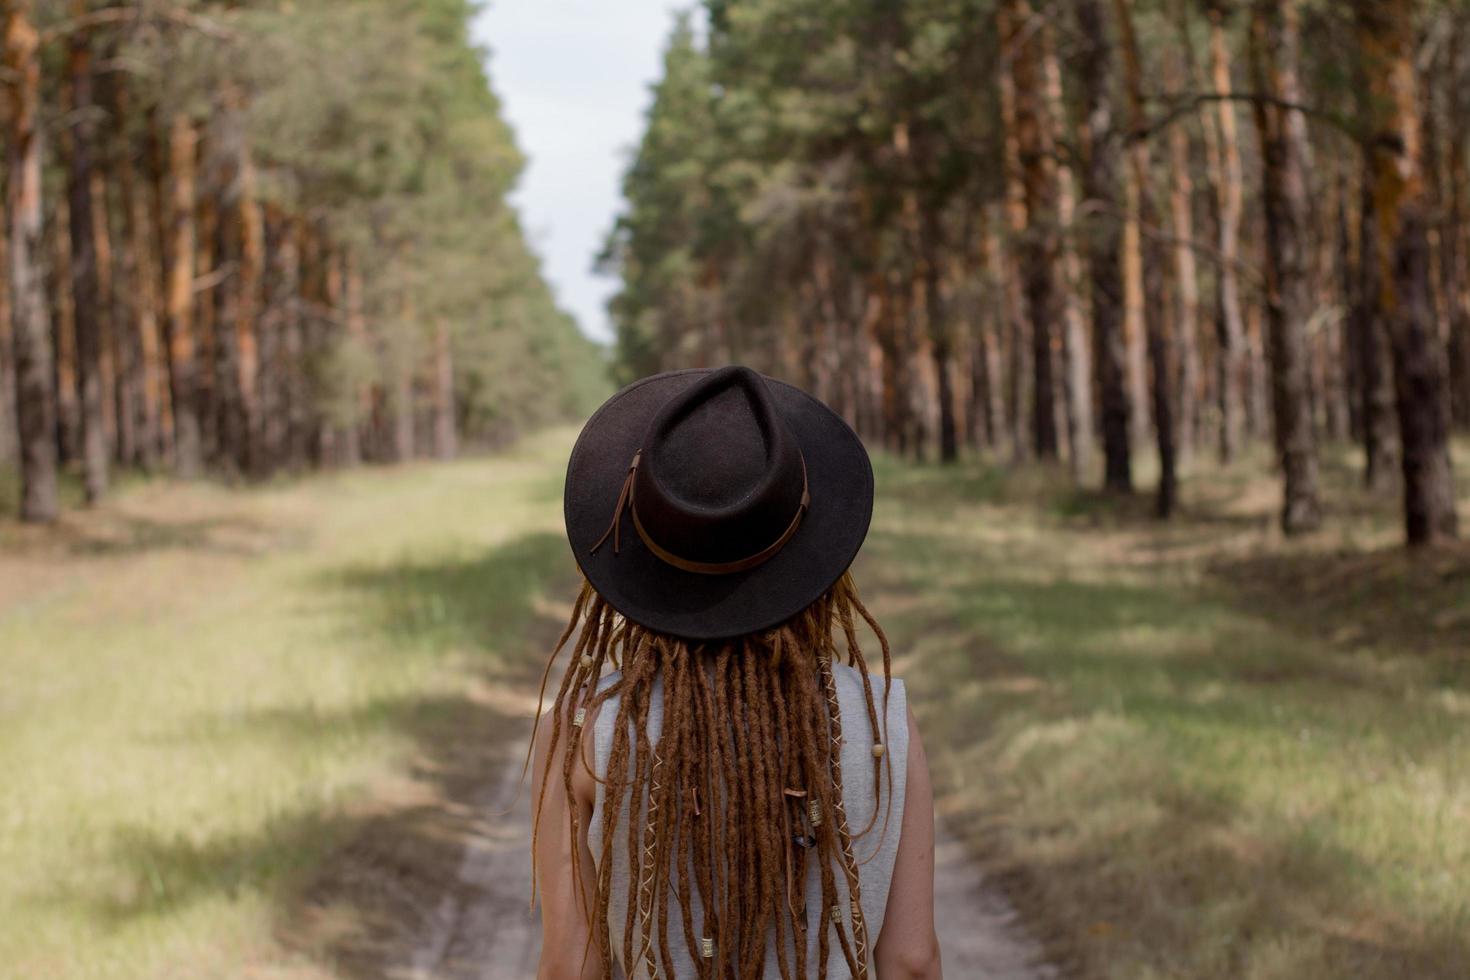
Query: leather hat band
x,y
625,500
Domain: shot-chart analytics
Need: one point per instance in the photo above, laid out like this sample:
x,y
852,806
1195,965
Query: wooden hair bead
x,y
587,661
878,749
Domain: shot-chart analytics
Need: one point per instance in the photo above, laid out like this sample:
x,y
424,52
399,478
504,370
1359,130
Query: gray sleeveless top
x,y
875,851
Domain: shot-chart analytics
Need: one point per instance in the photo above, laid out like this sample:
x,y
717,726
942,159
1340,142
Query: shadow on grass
x,y
127,534
1390,600
356,887
1059,713
480,603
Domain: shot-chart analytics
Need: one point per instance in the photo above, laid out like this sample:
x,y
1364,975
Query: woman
x,y
722,788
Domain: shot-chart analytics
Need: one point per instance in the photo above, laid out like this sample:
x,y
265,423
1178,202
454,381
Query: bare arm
x,y
566,951
908,948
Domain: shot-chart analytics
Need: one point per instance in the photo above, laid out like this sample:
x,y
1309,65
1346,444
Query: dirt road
x,y
481,930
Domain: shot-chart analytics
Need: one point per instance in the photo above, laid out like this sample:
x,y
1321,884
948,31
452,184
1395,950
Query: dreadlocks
x,y
745,777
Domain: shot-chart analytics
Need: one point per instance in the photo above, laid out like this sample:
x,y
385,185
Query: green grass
x,y
237,726
1195,751
205,692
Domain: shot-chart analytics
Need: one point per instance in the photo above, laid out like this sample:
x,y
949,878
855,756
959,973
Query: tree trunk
x,y
357,337
86,294
1017,333
1401,206
247,293
291,281
116,382
982,420
941,342
1099,189
58,286
1144,268
402,408
1186,275
1348,261
1457,229
1228,181
313,435
1076,358
183,142
213,305
1336,392
402,403
140,267
445,445
1036,241
214,322
9,433
997,291
1288,305
35,408
1374,392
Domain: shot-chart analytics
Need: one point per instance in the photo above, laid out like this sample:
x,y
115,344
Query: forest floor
x,y
1200,750
275,732
267,733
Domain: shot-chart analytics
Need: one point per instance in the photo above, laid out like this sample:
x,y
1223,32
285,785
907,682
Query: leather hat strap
x,y
625,499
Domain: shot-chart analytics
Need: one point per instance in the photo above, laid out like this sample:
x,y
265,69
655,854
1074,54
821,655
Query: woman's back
x,y
869,802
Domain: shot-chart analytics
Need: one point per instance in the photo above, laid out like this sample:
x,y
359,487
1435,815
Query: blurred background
x,y
1155,315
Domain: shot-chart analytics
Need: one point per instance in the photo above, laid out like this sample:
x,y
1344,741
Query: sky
x,y
574,78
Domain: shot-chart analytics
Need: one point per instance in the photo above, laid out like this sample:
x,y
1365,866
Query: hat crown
x,y
721,475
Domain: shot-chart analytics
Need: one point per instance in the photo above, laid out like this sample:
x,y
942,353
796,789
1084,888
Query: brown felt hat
x,y
712,503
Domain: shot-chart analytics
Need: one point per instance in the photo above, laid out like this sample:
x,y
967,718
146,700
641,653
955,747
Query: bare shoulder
x,y
552,743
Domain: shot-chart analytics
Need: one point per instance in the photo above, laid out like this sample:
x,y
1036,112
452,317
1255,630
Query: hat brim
x,y
660,597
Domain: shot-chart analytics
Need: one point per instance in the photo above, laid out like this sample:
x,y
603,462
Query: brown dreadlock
x,y
774,695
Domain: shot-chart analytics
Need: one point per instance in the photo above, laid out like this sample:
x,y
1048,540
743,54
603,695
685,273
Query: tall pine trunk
x,y
86,292
116,382
1104,239
941,353
182,145
1018,352
1186,276
58,288
1274,52
349,275
1076,357
1144,264
401,400
248,295
445,444
1401,206
35,407
1457,228
997,293
1374,393
140,267
1036,241
213,257
1229,183
9,433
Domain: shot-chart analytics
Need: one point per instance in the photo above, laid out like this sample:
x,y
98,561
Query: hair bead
x,y
814,812
878,749
580,718
707,948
